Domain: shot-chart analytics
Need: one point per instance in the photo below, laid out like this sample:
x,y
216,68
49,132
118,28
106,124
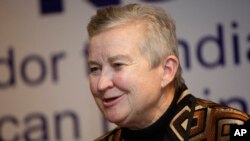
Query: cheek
x,y
123,82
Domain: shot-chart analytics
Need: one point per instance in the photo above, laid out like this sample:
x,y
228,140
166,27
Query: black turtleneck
x,y
157,130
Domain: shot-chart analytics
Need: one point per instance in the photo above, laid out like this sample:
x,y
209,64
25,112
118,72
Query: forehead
x,y
119,39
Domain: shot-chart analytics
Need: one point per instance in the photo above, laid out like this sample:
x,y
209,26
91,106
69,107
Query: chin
x,y
116,118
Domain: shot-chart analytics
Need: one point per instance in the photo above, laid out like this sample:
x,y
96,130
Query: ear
x,y
170,66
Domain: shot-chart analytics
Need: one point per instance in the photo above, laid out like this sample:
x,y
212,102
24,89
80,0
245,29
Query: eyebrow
x,y
119,57
92,63
112,59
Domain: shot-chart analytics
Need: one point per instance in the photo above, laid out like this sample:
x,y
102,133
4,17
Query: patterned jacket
x,y
192,119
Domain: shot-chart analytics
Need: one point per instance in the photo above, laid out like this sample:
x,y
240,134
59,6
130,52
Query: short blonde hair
x,y
159,32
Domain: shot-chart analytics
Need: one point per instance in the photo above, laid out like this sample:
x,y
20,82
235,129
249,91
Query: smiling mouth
x,y
110,99
109,102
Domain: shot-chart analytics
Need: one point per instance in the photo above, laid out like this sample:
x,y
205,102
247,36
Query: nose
x,y
105,81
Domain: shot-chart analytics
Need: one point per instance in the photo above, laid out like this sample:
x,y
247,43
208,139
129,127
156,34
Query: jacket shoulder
x,y
215,110
211,121
113,135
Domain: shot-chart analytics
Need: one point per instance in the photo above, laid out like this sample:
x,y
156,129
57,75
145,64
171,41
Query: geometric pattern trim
x,y
223,128
198,122
212,121
177,123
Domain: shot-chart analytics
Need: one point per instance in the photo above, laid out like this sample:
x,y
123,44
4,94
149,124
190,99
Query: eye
x,y
118,65
94,70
